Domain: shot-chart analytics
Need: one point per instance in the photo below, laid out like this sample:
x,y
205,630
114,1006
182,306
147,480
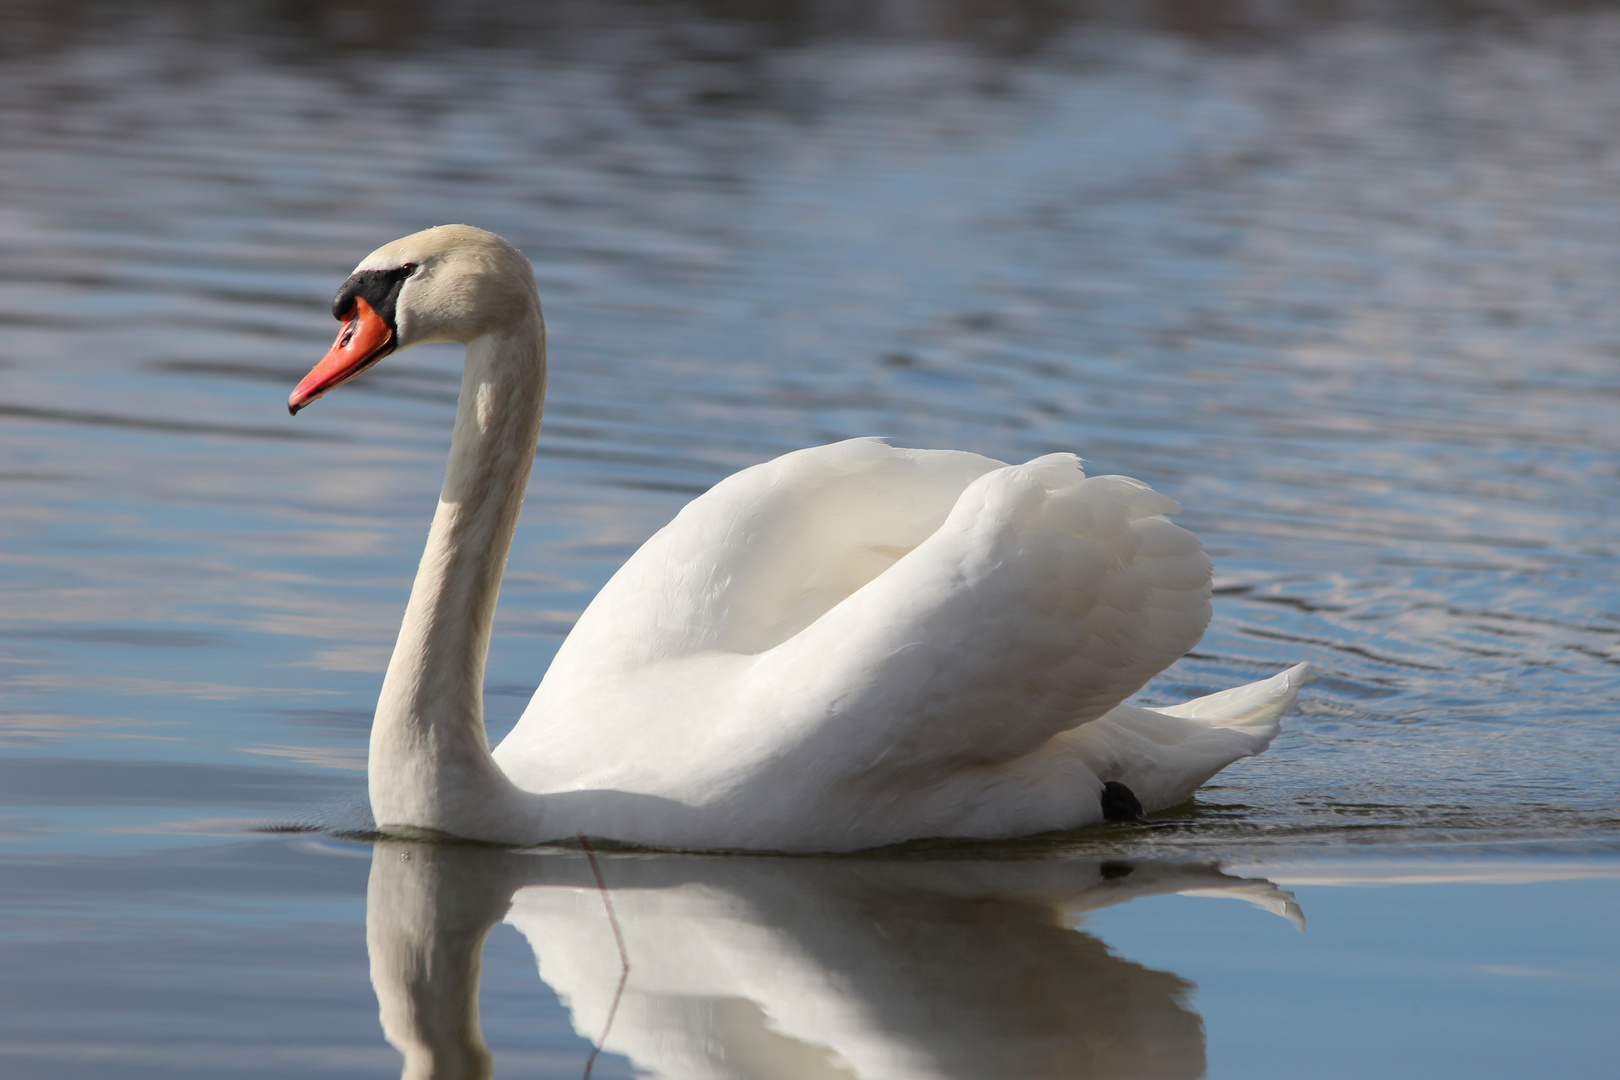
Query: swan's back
x,y
768,550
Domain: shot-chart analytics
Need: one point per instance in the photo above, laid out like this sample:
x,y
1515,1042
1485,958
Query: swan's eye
x,y
409,268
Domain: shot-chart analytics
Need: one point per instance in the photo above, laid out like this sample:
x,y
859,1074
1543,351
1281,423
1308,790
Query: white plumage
x,y
851,645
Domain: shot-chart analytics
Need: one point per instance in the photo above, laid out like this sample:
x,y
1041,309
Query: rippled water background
x,y
1345,284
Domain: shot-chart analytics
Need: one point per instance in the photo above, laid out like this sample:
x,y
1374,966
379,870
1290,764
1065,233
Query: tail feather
x,y
1252,706
1164,754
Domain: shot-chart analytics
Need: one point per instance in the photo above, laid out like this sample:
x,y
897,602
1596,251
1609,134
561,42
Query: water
x,y
1343,284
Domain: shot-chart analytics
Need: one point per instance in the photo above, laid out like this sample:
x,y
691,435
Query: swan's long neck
x,y
430,765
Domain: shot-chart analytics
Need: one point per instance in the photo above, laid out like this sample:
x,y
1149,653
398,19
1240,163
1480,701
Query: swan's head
x,y
448,283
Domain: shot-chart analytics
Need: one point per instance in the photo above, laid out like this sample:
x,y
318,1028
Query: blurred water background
x,y
1340,277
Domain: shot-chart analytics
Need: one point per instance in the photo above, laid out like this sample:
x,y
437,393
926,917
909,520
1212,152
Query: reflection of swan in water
x,y
794,968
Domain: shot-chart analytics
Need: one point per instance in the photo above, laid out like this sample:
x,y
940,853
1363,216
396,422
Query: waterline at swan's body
x,y
851,645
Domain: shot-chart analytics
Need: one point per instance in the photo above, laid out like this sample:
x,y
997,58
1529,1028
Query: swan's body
x,y
851,645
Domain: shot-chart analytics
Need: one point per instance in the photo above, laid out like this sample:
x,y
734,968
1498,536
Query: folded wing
x,y
1043,600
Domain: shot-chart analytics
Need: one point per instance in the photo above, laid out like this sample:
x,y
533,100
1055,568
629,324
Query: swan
x,y
850,646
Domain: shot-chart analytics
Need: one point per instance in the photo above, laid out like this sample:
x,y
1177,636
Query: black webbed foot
x,y
1119,803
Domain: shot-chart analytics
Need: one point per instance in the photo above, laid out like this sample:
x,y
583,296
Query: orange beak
x,y
363,340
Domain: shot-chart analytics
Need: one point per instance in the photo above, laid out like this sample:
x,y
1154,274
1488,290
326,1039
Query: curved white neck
x,y
430,766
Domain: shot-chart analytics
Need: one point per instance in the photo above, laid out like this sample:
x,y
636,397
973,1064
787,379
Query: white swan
x,y
849,646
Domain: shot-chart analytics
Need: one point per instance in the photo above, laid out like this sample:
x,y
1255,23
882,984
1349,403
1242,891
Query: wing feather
x,y
1043,600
